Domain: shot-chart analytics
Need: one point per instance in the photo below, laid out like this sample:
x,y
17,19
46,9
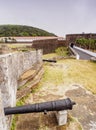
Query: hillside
x,y
22,30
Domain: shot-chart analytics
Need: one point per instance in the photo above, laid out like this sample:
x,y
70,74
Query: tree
x,y
86,43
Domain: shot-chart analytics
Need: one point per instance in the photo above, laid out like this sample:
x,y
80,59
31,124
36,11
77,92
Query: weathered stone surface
x,y
1,75
2,117
85,108
61,117
11,67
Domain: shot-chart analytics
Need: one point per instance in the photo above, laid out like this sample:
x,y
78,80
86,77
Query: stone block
x,y
61,117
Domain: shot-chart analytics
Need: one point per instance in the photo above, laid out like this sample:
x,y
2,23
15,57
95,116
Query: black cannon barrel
x,y
49,60
57,105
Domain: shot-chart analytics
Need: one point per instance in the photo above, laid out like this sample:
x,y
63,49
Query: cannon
x,y
47,60
58,105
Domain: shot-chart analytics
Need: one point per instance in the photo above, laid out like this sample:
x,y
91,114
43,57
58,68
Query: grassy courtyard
x,y
56,79
71,71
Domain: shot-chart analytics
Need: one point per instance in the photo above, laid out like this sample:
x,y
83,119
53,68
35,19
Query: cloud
x,y
57,16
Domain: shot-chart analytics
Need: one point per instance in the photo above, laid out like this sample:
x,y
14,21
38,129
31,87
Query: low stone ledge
x,y
29,74
74,53
24,91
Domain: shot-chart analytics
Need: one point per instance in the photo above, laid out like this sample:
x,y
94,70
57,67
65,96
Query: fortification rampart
x,y
47,45
11,67
72,37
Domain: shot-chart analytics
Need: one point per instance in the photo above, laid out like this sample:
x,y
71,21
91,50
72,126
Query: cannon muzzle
x,y
58,105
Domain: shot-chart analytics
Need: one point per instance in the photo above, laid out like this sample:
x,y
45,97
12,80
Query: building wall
x,y
11,67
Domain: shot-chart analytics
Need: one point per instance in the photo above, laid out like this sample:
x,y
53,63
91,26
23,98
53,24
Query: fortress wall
x,y
72,37
11,67
47,45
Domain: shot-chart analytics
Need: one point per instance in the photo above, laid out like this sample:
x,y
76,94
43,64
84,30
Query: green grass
x,y
81,72
13,126
16,45
49,56
22,100
71,71
62,51
18,103
66,72
53,75
74,120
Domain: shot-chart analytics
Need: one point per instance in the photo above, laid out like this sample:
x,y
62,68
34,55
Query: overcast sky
x,y
57,16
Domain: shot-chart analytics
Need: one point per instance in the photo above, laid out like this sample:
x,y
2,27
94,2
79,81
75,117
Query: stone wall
x,y
2,116
11,67
72,37
47,45
61,43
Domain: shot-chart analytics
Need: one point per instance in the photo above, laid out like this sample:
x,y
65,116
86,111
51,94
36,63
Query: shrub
x,y
62,51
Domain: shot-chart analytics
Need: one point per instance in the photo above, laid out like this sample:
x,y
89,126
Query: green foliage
x,y
20,103
13,126
22,30
62,51
86,43
22,100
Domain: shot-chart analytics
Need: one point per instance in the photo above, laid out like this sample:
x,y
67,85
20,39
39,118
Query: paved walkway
x,y
84,54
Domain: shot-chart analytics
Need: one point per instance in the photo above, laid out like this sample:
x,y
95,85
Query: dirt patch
x,y
39,121
84,110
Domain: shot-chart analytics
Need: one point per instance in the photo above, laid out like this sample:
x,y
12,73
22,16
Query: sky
x,y
60,17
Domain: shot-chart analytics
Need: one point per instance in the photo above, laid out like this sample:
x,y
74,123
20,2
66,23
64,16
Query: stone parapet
x,y
11,67
2,116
